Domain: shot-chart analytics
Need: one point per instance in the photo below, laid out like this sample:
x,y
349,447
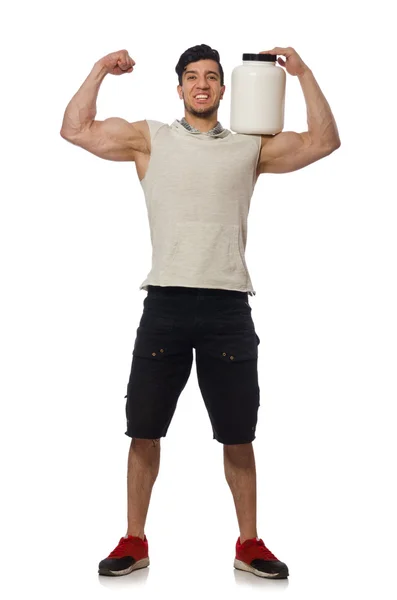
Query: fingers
x,y
124,66
278,50
126,63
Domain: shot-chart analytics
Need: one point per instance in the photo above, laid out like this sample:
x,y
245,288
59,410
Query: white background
x,y
75,247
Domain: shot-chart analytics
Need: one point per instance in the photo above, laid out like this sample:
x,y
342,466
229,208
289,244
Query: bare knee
x,y
238,451
237,447
145,442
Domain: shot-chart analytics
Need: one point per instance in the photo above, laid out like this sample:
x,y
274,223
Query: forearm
x,y
81,110
321,123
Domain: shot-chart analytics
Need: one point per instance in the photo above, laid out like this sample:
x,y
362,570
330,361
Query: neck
x,y
203,125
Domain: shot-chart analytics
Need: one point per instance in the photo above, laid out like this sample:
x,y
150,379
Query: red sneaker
x,y
130,554
253,556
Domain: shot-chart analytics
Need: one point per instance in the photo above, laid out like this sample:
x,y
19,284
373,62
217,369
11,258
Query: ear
x,y
180,91
223,88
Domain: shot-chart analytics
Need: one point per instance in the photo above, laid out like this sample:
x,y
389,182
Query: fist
x,y
117,63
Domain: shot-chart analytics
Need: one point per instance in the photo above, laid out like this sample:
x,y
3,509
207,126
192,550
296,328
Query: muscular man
x,y
198,179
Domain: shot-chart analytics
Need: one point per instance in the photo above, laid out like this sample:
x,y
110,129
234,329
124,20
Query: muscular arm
x,y
289,151
111,139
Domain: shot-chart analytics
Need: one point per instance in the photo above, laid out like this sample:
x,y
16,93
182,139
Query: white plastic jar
x,y
258,95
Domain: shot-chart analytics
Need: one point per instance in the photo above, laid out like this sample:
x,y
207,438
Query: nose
x,y
203,84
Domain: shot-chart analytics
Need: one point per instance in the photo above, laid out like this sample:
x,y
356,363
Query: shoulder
x,y
248,138
148,128
250,144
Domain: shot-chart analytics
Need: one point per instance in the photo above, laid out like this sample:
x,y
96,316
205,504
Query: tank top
x,y
198,191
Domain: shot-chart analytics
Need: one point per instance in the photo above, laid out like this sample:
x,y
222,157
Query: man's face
x,y
201,78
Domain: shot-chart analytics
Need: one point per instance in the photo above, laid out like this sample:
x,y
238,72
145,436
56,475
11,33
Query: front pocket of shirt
x,y
204,248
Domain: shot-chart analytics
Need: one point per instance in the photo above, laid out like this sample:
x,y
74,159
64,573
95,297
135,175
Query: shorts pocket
x,y
233,347
157,347
234,321
155,323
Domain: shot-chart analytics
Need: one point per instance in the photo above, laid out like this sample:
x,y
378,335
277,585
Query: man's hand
x,y
294,64
117,63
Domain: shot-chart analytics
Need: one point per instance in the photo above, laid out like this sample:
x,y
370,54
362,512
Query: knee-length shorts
x,y
219,326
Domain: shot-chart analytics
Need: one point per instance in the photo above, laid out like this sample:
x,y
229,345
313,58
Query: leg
x,y
240,472
143,468
156,380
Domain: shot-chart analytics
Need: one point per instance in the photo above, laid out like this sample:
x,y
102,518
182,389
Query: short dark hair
x,y
193,55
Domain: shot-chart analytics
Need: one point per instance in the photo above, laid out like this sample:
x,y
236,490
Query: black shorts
x,y
218,325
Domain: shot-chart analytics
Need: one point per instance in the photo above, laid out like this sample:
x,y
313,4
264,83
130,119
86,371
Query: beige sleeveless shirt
x,y
198,191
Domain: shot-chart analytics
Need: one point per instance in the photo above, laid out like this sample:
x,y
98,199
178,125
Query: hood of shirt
x,y
199,134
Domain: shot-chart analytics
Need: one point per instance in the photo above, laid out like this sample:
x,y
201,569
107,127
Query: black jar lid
x,y
262,57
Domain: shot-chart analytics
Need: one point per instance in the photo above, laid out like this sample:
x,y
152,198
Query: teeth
x,y
202,96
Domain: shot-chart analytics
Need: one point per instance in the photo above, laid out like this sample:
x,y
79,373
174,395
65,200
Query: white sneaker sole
x,y
242,566
140,564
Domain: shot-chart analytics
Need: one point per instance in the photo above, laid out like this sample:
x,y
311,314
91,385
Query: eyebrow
x,y
213,72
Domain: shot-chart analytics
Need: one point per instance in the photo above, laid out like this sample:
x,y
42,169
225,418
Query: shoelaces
x,y
120,548
262,550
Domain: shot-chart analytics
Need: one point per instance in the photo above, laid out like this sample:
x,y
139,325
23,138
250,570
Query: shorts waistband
x,y
157,290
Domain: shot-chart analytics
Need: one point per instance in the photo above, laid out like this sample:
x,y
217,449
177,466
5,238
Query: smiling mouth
x,y
201,100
